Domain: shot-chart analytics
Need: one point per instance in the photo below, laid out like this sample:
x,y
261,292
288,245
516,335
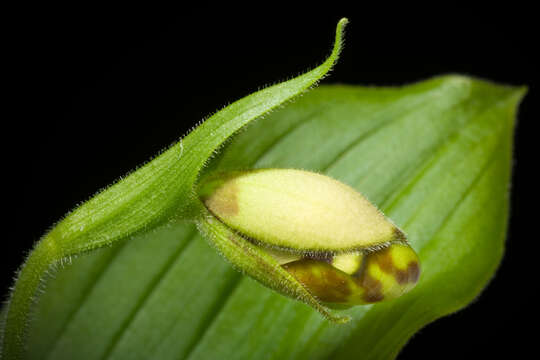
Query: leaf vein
x,y
146,294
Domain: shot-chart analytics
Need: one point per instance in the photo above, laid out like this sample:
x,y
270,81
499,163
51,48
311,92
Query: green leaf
x,y
434,156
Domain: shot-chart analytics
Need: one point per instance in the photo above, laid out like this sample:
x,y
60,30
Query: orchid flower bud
x,y
334,242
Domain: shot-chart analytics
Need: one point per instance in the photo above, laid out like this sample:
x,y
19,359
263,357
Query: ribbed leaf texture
x,y
434,156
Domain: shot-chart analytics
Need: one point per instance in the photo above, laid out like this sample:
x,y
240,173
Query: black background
x,y
98,91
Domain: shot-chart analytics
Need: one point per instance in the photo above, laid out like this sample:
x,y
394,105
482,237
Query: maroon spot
x,y
414,272
373,288
331,286
402,276
384,259
409,275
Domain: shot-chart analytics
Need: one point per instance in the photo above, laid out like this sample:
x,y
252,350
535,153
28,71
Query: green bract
x,y
434,156
158,193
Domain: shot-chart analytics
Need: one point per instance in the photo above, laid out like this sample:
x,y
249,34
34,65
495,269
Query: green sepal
x,y
251,260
